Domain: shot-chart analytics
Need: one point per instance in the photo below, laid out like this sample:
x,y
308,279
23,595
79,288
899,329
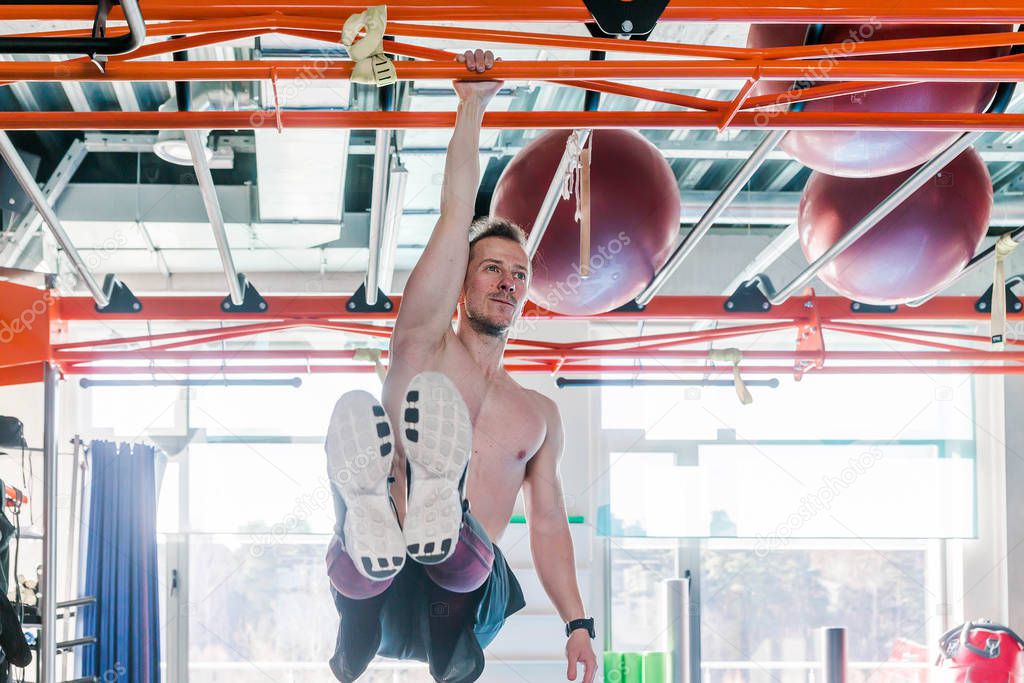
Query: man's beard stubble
x,y
484,326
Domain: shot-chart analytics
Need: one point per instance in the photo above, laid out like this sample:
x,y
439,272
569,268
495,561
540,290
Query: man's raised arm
x,y
432,292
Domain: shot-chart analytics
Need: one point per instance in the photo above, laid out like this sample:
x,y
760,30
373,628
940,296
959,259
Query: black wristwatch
x,y
587,623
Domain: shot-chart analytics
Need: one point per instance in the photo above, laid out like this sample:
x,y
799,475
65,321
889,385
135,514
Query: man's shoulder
x,y
545,405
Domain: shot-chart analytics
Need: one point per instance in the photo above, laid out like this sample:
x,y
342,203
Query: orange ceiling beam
x,y
810,11
772,70
704,120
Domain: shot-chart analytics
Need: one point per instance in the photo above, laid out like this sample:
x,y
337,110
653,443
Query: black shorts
x,y
415,619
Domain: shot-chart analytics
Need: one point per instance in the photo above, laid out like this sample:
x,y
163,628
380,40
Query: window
x,y
245,516
699,482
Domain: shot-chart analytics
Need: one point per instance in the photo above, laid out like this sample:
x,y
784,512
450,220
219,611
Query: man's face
x,y
496,283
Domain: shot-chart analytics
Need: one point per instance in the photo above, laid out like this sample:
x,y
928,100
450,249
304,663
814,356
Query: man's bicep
x,y
432,290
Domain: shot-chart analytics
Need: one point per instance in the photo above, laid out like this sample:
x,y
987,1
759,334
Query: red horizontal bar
x,y
331,31
322,308
859,328
769,70
800,11
79,121
568,368
241,355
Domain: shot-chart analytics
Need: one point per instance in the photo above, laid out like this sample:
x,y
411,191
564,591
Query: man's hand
x,y
579,651
479,61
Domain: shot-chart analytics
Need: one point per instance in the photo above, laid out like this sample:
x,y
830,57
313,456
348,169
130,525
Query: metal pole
x,y
392,217
378,197
677,594
547,207
28,184
717,208
980,259
209,193
68,662
875,216
48,614
55,186
833,655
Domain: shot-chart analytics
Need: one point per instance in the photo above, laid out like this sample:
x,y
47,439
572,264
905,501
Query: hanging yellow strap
x,y
372,66
372,355
585,209
734,356
1004,247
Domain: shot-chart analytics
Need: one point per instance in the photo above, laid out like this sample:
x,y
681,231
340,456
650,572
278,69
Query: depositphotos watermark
x,y
569,287
813,504
309,504
822,68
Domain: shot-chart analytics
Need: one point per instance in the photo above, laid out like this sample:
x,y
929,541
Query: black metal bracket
x,y
1013,304
97,45
592,98
858,307
626,17
357,302
252,302
120,299
750,298
629,307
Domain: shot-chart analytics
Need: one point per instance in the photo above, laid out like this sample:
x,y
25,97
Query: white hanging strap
x,y
734,356
1004,247
372,66
583,208
571,183
373,355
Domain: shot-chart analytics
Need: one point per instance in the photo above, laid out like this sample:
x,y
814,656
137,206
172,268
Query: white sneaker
x,y
360,449
438,438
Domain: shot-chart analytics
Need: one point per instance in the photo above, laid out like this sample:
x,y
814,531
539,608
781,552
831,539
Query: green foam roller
x,y
632,667
612,667
655,665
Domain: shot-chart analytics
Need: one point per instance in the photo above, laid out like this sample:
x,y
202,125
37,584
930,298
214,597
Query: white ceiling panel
x,y
301,173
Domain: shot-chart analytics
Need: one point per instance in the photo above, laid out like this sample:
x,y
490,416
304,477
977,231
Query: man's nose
x,y
508,284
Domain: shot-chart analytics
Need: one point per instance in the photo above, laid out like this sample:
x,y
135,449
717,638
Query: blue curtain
x,y
121,566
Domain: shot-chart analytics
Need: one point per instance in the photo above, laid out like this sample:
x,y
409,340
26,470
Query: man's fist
x,y
479,61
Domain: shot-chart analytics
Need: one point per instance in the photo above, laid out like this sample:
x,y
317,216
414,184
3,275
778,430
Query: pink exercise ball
x,y
873,153
914,250
634,206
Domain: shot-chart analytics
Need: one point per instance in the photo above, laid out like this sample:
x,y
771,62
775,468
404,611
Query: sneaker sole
x,y
438,437
360,449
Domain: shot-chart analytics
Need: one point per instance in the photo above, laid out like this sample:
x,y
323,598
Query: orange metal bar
x,y
858,47
899,338
641,93
608,87
29,373
693,337
820,92
507,120
489,37
324,309
860,328
800,11
778,70
169,46
733,107
79,357
568,368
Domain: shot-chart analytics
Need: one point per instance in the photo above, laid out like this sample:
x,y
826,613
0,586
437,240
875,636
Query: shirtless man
x,y
469,436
